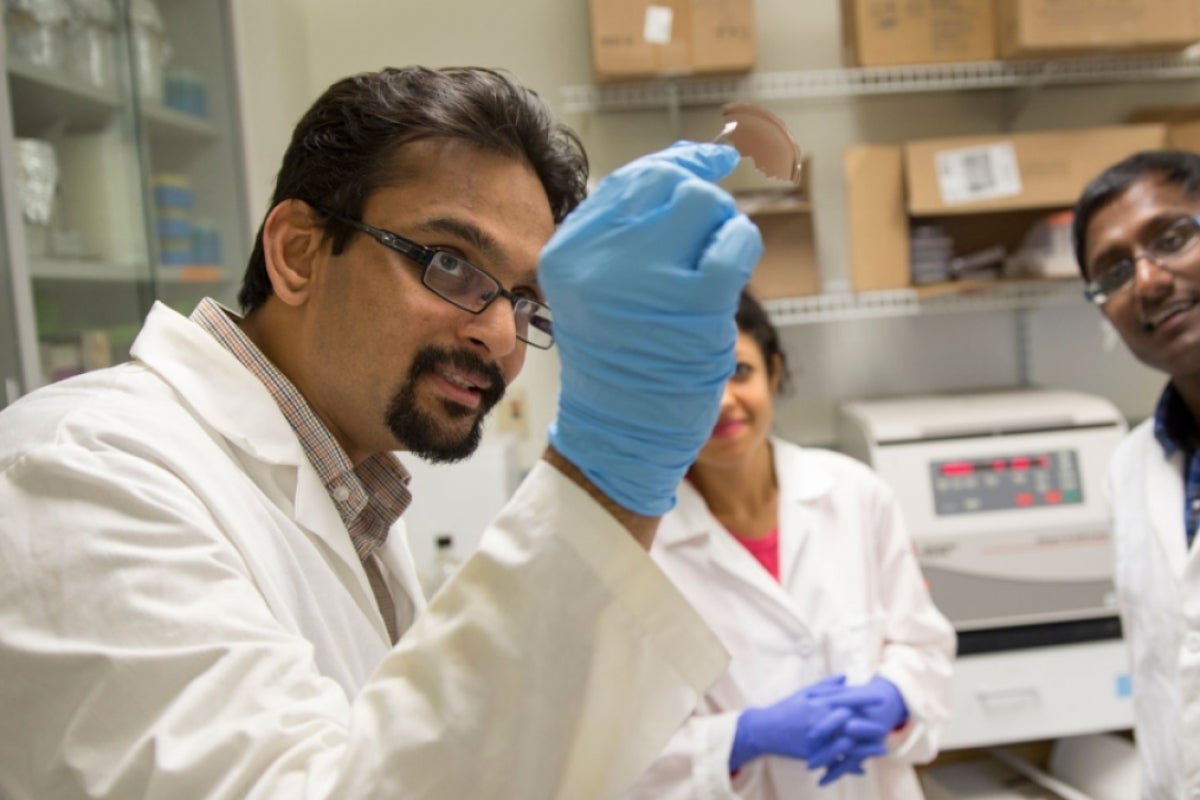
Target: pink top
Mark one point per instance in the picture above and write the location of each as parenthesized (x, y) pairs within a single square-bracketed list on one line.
[(765, 550)]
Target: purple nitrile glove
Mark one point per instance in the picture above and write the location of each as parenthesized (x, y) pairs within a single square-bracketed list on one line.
[(877, 704), (787, 727)]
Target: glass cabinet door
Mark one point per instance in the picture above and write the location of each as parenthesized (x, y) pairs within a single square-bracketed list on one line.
[(75, 136), (122, 127), (11, 380), (185, 94)]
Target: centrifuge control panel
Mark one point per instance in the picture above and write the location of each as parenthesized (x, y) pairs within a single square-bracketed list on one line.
[(1006, 482)]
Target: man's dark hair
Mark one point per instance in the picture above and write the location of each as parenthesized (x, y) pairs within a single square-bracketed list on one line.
[(1176, 167), (753, 321), (344, 147)]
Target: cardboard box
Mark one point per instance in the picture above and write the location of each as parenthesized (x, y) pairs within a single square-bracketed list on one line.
[(788, 267), (982, 190), (1048, 28), (636, 39), (876, 220), (1183, 125), (880, 33), (1016, 171)]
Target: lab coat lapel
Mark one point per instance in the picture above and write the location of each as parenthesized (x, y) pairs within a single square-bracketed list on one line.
[(799, 485), (1164, 493), (234, 402), (725, 554)]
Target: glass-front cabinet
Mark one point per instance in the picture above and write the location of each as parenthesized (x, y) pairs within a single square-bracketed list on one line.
[(121, 129)]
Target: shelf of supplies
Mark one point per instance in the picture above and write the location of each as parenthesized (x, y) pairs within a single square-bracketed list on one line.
[(857, 81), (86, 269), (197, 274), (43, 97), (765, 202), (165, 124), (947, 298)]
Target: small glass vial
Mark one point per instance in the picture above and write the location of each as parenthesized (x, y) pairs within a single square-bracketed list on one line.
[(446, 562)]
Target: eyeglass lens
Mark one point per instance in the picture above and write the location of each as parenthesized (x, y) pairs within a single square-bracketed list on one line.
[(1165, 250), (467, 286)]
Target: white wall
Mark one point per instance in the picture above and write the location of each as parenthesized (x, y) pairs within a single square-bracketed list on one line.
[(310, 43)]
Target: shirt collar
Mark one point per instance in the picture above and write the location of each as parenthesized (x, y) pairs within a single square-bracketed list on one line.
[(1174, 427), (369, 497)]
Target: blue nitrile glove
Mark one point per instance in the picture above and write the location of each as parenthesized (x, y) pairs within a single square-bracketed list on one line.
[(643, 279), (789, 727)]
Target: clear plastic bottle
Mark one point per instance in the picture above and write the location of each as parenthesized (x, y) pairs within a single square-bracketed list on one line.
[(446, 562)]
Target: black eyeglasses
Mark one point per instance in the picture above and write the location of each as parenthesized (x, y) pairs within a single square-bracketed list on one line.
[(464, 285), (1168, 250)]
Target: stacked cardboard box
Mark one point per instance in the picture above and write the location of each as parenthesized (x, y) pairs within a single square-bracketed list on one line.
[(984, 190), (894, 32), (638, 39), (788, 267), (1050, 28), (888, 32)]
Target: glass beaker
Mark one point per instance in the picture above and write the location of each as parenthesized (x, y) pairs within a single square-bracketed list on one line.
[(37, 31)]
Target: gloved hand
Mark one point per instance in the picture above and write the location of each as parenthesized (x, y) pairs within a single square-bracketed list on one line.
[(877, 704), (790, 727), (643, 279), (877, 700)]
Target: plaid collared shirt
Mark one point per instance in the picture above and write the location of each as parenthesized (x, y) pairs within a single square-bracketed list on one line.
[(1176, 430), (369, 498)]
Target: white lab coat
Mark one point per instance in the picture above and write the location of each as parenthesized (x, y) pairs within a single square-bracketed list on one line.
[(182, 615), (851, 599), (1158, 586)]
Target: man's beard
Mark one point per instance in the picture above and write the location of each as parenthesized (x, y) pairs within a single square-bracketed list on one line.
[(419, 430)]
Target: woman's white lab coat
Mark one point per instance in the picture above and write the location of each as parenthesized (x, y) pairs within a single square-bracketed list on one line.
[(851, 599), (1158, 586), (182, 615)]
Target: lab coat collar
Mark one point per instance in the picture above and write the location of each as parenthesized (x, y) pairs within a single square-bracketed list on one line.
[(221, 391), (800, 483), (230, 399)]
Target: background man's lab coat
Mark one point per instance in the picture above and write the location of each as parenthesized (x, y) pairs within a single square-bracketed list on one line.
[(1158, 587)]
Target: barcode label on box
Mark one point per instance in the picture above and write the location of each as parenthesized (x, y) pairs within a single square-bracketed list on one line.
[(657, 25), (978, 173)]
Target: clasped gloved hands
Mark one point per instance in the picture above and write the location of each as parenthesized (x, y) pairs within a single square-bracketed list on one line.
[(874, 709), (801, 725), (644, 279)]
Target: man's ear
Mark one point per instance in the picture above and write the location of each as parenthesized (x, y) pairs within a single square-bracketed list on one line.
[(293, 239)]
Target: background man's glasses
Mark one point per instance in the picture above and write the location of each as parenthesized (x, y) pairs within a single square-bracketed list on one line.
[(462, 284), (1168, 250)]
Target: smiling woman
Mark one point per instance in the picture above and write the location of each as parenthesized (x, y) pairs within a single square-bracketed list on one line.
[(799, 561)]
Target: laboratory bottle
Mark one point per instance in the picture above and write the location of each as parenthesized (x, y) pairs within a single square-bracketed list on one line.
[(446, 562)]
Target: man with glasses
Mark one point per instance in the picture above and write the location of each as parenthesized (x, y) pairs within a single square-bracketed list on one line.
[(1137, 240), (205, 590)]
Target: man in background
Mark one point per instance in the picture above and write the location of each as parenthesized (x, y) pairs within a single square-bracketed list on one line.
[(204, 585), (1137, 240)]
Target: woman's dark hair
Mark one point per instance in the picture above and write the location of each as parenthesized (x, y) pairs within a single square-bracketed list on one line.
[(753, 321), (1176, 167), (344, 147)]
